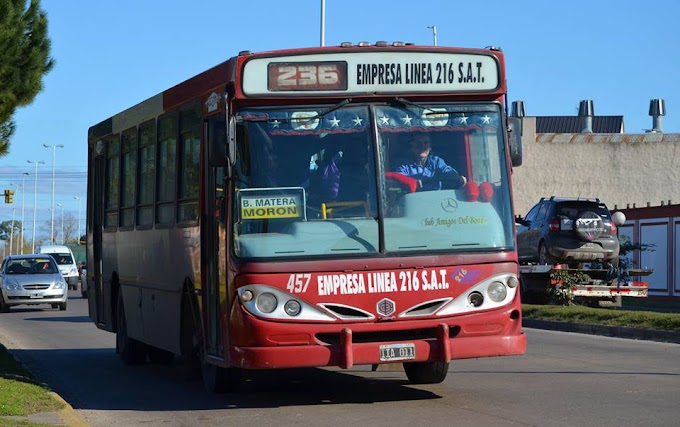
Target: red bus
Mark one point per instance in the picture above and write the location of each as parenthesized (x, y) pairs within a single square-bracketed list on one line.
[(280, 210)]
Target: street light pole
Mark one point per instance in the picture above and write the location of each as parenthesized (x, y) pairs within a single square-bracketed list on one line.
[(23, 204), (35, 198), (54, 158), (61, 205), (11, 231), (78, 233)]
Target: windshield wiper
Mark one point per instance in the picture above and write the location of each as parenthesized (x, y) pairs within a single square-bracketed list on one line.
[(407, 103), (282, 120)]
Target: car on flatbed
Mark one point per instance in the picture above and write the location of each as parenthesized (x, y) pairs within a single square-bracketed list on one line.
[(568, 230)]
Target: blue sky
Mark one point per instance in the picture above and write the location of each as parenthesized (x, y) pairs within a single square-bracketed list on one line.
[(112, 54)]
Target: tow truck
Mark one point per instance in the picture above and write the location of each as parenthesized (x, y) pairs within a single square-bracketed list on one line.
[(591, 284)]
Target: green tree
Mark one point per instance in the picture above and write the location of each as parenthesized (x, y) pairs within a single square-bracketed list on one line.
[(24, 60)]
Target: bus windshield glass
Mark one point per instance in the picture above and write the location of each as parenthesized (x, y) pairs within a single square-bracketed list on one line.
[(356, 180)]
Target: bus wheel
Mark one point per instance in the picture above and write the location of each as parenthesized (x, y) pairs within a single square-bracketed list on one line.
[(426, 372), (160, 356), (130, 350), (220, 380)]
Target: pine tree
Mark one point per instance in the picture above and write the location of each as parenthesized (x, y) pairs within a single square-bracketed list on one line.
[(24, 60)]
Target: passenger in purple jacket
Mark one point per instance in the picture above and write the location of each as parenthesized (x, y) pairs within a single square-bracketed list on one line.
[(330, 178), (429, 170)]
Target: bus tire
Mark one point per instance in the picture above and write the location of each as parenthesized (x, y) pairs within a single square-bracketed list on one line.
[(130, 350), (426, 372), (217, 379)]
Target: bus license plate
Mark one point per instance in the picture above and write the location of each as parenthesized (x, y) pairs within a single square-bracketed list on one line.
[(391, 352)]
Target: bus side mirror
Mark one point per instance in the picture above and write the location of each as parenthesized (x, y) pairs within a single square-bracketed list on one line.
[(515, 140), (217, 143)]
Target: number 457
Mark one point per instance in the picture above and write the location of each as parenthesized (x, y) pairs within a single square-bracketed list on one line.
[(298, 283)]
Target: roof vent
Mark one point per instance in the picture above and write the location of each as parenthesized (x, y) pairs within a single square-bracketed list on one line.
[(586, 111), (518, 109), (657, 109)]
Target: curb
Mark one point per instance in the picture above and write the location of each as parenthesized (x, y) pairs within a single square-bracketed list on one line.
[(609, 331), (69, 415)]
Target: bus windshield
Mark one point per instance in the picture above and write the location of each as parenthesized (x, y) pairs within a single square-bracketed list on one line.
[(351, 180)]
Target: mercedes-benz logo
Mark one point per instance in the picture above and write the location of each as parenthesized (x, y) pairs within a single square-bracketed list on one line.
[(449, 204)]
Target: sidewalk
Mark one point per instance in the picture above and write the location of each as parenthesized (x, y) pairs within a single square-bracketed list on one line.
[(609, 331), (67, 416)]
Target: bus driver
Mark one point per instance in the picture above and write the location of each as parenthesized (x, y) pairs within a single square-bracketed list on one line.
[(429, 170)]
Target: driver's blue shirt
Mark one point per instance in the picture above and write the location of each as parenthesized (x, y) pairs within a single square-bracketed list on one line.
[(428, 174)]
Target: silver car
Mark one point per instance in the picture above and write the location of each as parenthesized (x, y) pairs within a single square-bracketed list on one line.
[(31, 280)]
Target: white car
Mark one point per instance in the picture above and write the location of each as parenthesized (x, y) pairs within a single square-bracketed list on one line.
[(65, 260), (31, 280)]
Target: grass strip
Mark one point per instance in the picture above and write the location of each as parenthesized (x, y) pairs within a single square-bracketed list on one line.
[(600, 316), (20, 393)]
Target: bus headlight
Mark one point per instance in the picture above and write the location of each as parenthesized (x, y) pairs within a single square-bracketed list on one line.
[(266, 302), (292, 307), (263, 301), (497, 291), (512, 282), (247, 296)]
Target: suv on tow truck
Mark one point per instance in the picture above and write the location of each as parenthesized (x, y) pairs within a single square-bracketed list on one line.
[(568, 230)]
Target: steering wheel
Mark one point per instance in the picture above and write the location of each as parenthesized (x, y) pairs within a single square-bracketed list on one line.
[(411, 183)]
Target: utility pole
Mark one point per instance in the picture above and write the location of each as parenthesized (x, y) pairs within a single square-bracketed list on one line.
[(23, 204), (11, 231), (54, 158), (78, 233), (61, 205), (434, 33), (323, 22), (35, 198)]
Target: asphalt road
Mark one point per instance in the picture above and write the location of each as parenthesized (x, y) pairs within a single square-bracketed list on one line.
[(565, 379)]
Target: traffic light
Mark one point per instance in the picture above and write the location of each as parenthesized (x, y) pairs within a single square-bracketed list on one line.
[(9, 196)]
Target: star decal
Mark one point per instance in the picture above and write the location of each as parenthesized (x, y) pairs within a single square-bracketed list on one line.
[(486, 119), (407, 120), (384, 120), (334, 122), (275, 123), (357, 121), (463, 120)]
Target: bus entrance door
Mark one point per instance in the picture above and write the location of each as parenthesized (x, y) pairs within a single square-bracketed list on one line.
[(96, 300), (213, 257)]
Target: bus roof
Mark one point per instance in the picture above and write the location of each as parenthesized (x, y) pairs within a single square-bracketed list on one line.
[(365, 70)]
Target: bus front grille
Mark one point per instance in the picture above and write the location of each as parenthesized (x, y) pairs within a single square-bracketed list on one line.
[(386, 336)]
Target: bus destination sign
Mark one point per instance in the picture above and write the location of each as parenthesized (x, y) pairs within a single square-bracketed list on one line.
[(382, 72)]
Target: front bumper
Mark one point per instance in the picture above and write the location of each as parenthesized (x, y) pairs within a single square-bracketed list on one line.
[(23, 297), (286, 345)]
